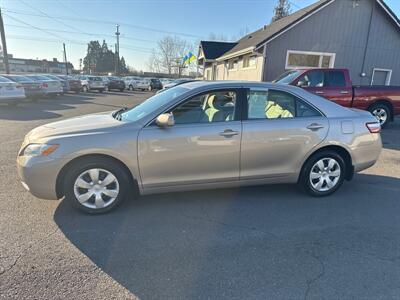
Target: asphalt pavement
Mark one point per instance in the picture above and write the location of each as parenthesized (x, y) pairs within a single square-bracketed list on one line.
[(265, 242)]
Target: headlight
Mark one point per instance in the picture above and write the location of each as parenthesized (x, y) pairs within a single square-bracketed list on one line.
[(38, 149)]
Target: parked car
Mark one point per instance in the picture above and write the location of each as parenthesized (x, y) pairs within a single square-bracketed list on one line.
[(49, 86), (335, 84), (11, 92), (74, 84), (131, 82), (200, 135), (115, 83), (175, 83), (106, 81), (149, 84), (64, 82), (92, 83), (33, 89)]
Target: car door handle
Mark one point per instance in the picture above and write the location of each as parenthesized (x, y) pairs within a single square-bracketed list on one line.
[(344, 92), (315, 126), (319, 92), (228, 133)]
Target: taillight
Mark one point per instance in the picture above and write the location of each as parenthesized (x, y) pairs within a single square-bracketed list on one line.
[(374, 127), (45, 85)]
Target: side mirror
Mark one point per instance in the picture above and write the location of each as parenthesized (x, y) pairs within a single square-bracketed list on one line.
[(302, 84), (165, 120)]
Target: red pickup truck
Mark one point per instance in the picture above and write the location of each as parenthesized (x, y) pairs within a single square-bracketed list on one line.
[(335, 85)]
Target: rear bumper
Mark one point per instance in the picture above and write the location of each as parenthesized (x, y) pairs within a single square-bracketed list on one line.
[(365, 156)]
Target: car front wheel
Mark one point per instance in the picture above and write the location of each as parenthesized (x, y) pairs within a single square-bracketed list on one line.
[(96, 185), (323, 174)]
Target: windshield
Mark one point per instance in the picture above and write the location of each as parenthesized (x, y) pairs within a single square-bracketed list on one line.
[(287, 77), (142, 110)]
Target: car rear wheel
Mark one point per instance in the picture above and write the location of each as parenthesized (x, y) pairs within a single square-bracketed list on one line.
[(381, 112), (96, 185), (323, 174)]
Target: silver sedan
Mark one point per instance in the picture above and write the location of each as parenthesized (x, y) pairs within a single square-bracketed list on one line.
[(200, 135)]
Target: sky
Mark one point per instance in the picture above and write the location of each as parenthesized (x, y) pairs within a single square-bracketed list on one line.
[(37, 28)]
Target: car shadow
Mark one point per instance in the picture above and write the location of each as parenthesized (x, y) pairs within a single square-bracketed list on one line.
[(254, 242), (391, 135), (44, 108)]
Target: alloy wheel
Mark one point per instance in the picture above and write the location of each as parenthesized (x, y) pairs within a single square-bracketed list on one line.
[(325, 174), (96, 188), (381, 115)]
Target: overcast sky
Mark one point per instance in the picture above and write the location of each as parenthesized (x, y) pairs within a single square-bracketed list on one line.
[(37, 28)]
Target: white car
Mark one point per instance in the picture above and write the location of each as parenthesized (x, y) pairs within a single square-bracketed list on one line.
[(50, 86), (11, 92), (92, 83), (131, 82)]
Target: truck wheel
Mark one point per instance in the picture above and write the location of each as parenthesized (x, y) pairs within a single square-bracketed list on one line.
[(96, 185), (382, 112), (323, 173)]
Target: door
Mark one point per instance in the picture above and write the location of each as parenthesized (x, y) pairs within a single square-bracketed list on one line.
[(279, 131), (381, 77), (330, 84), (202, 147)]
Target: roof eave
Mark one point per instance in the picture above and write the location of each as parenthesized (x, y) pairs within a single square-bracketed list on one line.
[(237, 53)]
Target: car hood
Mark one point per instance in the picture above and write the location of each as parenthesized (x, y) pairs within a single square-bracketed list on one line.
[(94, 123)]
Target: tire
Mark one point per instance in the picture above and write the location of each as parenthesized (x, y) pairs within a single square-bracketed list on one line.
[(80, 169), (382, 112), (85, 89), (101, 91), (311, 175)]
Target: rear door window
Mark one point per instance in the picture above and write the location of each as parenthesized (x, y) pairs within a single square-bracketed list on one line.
[(335, 79)]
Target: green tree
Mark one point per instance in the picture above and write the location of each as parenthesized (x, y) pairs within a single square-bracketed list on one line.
[(123, 69), (92, 58), (281, 10)]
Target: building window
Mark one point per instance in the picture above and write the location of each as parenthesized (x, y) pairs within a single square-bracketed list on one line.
[(233, 64), (249, 61), (302, 59)]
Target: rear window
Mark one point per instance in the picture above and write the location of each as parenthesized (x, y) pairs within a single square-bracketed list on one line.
[(95, 79), (3, 79), (334, 78)]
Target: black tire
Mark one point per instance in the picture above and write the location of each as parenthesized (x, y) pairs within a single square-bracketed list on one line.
[(101, 163), (383, 108), (305, 181)]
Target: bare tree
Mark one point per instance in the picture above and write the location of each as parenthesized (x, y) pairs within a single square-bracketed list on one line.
[(281, 10), (169, 54)]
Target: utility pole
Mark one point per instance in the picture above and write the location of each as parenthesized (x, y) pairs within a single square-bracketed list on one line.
[(65, 59), (117, 52), (4, 44)]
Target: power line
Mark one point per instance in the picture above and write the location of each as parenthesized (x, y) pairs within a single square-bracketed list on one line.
[(103, 22), (88, 33), (48, 16)]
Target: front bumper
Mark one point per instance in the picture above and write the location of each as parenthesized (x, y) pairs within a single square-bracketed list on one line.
[(39, 175)]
